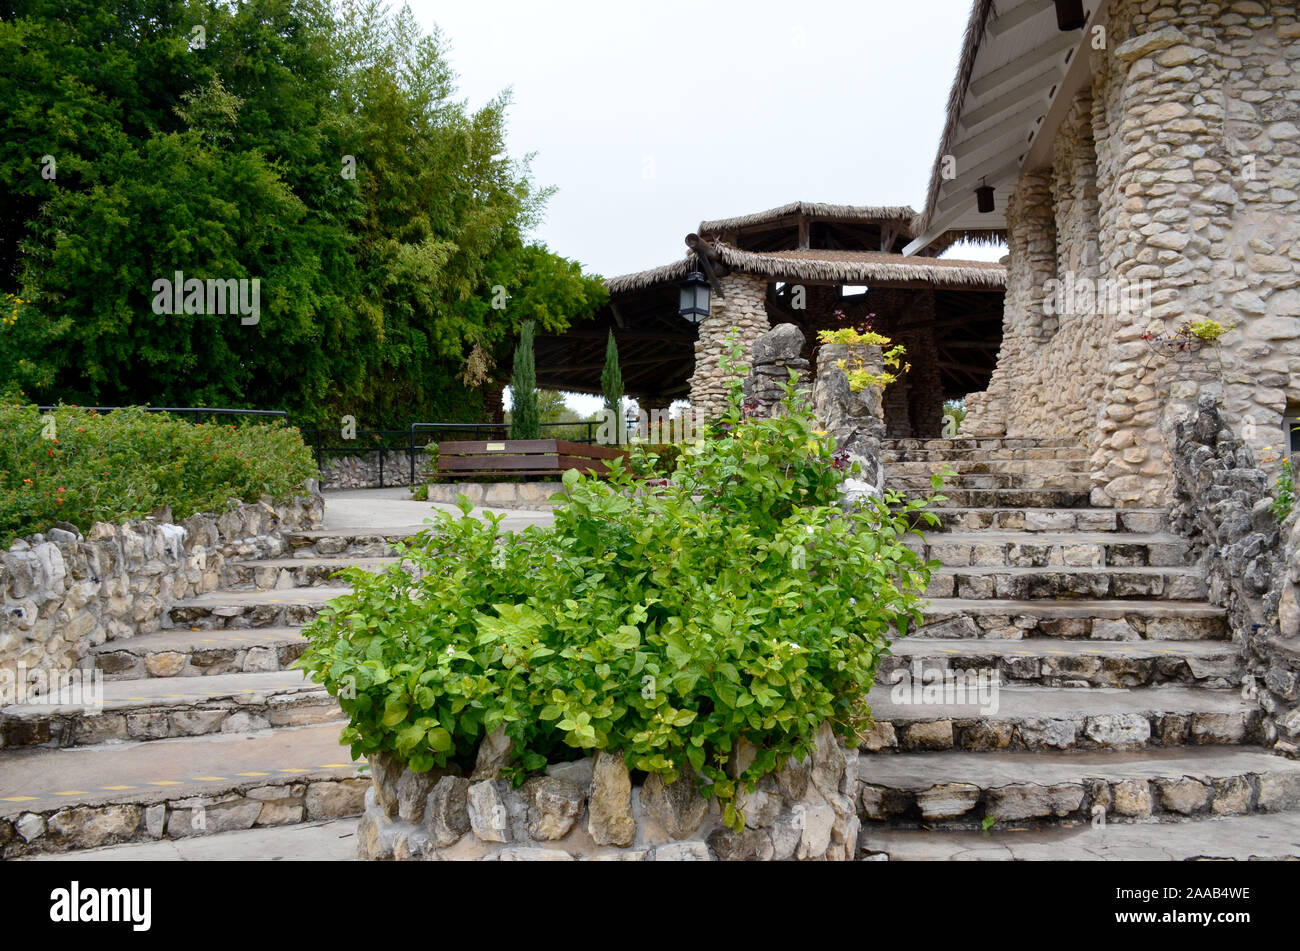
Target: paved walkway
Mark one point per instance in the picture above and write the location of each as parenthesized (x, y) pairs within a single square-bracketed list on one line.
[(389, 509), (309, 842)]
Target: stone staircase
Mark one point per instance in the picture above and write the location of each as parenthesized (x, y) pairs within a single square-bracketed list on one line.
[(204, 727), (1118, 727)]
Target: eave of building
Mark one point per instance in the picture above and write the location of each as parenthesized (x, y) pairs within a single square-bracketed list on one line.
[(1017, 77)]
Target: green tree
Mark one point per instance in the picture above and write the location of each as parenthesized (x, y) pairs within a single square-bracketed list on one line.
[(611, 378), (524, 415), (320, 149)]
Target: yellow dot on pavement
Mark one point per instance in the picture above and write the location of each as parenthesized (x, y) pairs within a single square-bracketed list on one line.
[(335, 765), (118, 788), (71, 792), (253, 774), (164, 782), (293, 770), (208, 779), (18, 798)]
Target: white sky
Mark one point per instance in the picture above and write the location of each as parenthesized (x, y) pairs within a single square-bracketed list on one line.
[(649, 117)]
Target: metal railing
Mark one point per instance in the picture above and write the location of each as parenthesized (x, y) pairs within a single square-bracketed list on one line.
[(197, 412)]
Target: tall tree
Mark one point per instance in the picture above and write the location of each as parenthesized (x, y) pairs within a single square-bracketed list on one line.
[(318, 148), (611, 381), (525, 417)]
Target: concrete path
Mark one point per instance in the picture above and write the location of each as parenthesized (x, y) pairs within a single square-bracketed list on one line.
[(381, 510), (40, 778), (334, 841)]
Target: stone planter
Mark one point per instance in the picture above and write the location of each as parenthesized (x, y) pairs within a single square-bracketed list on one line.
[(591, 809)]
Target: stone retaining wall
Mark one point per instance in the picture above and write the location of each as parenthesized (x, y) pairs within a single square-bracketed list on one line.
[(62, 594), (362, 471), (534, 496), (150, 816), (1223, 501), (591, 809)]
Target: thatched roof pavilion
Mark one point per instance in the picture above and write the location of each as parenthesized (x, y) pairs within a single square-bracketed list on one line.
[(795, 262)]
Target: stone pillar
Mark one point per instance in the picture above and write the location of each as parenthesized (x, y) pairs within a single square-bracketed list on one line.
[(774, 355), (1031, 240), (743, 307), (856, 420)]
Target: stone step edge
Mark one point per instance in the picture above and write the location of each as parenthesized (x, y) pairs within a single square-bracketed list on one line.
[(158, 718), (252, 803), (150, 656), (1228, 791)]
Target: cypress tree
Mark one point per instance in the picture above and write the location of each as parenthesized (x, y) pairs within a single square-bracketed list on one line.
[(524, 415), (611, 381)]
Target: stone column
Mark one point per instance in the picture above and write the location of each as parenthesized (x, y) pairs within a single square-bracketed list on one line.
[(1031, 240), (775, 354), (743, 307), (856, 420)]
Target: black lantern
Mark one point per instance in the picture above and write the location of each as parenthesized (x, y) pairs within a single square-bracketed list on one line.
[(1070, 15), (695, 298), (984, 199)]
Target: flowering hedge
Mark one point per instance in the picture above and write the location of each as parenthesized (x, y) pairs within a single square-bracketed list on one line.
[(80, 467), (663, 619)]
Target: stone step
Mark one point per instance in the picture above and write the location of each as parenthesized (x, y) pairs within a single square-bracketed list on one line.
[(1241, 838), (964, 442), (957, 518), (1108, 620), (1064, 481), (1044, 549), (957, 497), (1044, 718), (161, 707), (252, 609), (56, 800), (1051, 662), (957, 456), (957, 788), (186, 653), (1017, 584), (284, 574), (360, 543)]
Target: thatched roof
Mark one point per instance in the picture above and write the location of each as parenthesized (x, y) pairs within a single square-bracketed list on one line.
[(975, 28), (824, 212), (839, 267)]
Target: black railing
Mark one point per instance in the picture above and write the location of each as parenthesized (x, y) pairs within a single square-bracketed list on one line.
[(197, 412)]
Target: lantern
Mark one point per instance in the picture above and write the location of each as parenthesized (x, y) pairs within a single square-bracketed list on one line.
[(694, 298)]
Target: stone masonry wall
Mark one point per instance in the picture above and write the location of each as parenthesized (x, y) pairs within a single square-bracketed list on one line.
[(62, 593), (1222, 502), (362, 471), (590, 809), (1194, 109), (744, 307)]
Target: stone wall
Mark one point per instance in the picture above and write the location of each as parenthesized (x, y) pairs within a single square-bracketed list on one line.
[(856, 420), (1222, 503), (362, 471), (1181, 165), (591, 809), (745, 308), (534, 496), (62, 593)]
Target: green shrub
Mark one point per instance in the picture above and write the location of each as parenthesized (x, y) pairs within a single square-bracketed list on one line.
[(82, 467), (665, 622), (1284, 493), (656, 462)]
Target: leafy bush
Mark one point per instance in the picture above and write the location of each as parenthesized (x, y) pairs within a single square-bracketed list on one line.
[(81, 467), (1284, 493), (666, 622), (656, 461)]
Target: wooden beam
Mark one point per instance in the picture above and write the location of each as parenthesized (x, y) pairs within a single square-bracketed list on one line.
[(1080, 72), (618, 318), (1036, 61), (1033, 90), (1018, 15), (805, 240)]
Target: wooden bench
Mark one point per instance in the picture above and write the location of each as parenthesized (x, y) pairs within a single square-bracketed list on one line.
[(521, 457)]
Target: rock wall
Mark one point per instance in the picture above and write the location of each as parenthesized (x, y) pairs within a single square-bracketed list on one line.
[(1180, 165), (1222, 502), (533, 496), (362, 471), (745, 308), (62, 593), (591, 809), (856, 420)]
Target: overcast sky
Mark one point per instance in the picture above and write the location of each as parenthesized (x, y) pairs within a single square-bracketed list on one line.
[(649, 117)]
